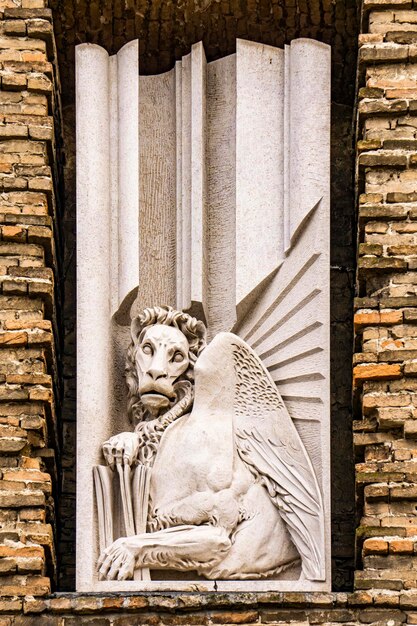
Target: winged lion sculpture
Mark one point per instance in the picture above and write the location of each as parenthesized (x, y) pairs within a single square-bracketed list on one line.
[(230, 490)]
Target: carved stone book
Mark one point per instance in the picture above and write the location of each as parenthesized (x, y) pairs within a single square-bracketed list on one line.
[(130, 489)]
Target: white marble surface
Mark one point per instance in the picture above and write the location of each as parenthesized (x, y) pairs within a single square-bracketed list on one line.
[(232, 492), (242, 215), (93, 303)]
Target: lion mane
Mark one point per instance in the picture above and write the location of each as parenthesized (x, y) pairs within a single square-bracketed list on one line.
[(150, 431)]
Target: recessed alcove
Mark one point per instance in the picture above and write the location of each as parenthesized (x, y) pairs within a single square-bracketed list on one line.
[(166, 31)]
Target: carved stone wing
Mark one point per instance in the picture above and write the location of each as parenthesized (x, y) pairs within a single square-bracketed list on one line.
[(267, 441)]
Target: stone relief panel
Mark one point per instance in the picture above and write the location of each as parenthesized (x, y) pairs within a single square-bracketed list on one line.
[(214, 479), (203, 320)]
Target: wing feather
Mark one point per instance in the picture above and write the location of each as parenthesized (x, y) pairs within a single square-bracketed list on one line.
[(268, 442), (232, 382)]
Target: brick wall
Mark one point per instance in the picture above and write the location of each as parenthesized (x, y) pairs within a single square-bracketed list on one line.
[(385, 369), (77, 22), (167, 29), (29, 380), (385, 364)]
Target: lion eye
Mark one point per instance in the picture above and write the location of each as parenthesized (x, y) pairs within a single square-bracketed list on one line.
[(178, 357), (147, 349)]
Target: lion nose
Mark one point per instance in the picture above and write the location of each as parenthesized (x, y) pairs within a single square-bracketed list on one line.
[(156, 373)]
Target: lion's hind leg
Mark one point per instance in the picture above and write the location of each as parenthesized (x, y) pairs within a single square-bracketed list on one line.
[(261, 545)]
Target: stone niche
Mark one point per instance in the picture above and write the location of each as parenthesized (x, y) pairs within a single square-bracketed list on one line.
[(203, 195)]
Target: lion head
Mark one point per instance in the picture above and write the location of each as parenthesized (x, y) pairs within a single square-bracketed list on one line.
[(165, 345)]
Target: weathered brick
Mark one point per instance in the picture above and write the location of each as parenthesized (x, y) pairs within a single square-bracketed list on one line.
[(25, 585), (410, 369), (401, 546), (377, 318), (399, 196), (21, 498), (383, 211), (387, 4), (143, 618), (383, 159), (375, 371), (382, 264), (369, 107), (410, 429), (375, 546)]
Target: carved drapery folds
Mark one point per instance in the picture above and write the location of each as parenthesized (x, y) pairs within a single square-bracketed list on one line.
[(207, 189)]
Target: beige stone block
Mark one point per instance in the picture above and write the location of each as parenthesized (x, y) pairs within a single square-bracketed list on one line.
[(32, 423), (375, 508), (402, 291), (393, 417), (30, 565), (389, 4), (15, 339), (374, 333), (383, 29), (376, 227), (383, 264), (395, 76), (13, 233), (382, 16), (7, 56), (371, 249), (22, 43), (32, 515), (33, 4), (22, 586), (22, 146), (402, 16), (403, 132), (404, 330), (391, 181), (363, 357), (13, 131), (405, 227), (14, 27), (20, 498), (410, 429), (402, 250), (402, 455), (12, 82), (391, 240), (40, 184), (377, 124), (406, 34), (407, 277), (371, 402), (17, 549), (410, 369), (40, 84), (370, 198), (45, 133), (379, 107), (374, 37), (382, 52), (411, 617), (30, 109)]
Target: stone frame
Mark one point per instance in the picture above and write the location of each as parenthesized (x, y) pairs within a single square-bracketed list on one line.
[(299, 144)]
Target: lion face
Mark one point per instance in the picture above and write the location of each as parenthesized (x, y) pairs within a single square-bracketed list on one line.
[(161, 358)]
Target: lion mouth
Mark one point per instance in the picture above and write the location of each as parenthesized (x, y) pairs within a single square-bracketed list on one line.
[(156, 394), (155, 401)]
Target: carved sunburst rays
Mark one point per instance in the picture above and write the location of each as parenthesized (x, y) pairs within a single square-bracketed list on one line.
[(287, 333), (286, 329)]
